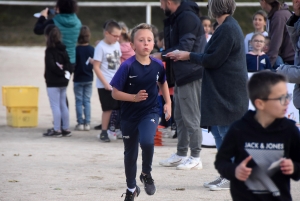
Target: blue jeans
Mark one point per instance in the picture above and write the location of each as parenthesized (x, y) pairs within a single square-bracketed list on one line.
[(219, 133), (57, 97), (83, 93)]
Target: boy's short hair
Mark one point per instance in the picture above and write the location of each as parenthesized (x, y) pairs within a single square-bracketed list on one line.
[(109, 25), (84, 35), (138, 27), (260, 84)]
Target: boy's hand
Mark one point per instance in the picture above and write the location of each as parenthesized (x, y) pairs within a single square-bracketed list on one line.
[(141, 96), (45, 12), (108, 87), (287, 166), (167, 111), (242, 172)]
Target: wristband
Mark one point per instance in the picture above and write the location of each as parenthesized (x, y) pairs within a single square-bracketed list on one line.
[(134, 96)]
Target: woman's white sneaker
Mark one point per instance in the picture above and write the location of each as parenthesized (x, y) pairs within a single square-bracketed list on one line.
[(173, 161), (190, 164)]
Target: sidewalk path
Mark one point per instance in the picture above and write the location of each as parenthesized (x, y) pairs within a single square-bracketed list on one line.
[(35, 168)]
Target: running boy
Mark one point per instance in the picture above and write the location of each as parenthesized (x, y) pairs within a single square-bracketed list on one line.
[(135, 84), (106, 63), (264, 144)]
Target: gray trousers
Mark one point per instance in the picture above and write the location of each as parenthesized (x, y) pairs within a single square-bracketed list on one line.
[(187, 117), (60, 111)]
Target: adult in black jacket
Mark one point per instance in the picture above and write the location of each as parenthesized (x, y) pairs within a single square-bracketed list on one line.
[(224, 96), (184, 31)]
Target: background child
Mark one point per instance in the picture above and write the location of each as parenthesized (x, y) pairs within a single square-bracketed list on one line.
[(259, 21), (279, 60), (57, 75), (207, 26), (264, 144), (83, 79), (106, 63), (135, 84), (256, 59), (127, 52)]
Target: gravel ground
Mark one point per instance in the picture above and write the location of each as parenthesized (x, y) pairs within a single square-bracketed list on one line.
[(80, 167)]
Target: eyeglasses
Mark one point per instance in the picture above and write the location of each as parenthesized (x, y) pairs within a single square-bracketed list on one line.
[(116, 36), (259, 41), (283, 99)]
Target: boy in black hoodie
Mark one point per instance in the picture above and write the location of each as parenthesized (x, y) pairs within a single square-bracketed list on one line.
[(264, 145)]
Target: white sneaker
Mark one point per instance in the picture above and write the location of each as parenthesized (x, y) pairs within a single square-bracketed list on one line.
[(79, 127), (213, 183), (223, 185), (190, 164), (173, 161), (119, 134), (87, 127), (111, 135)]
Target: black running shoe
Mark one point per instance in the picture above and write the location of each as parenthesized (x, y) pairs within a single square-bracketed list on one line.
[(130, 196), (66, 133), (99, 127), (52, 133), (104, 137), (148, 184)]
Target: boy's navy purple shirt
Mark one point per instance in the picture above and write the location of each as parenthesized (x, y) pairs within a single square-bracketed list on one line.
[(132, 77)]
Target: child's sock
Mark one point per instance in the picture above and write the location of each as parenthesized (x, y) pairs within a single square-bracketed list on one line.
[(131, 190)]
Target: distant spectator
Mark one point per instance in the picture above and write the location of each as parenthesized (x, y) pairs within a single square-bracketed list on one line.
[(256, 59), (67, 22), (280, 43), (206, 23), (83, 79), (259, 21)]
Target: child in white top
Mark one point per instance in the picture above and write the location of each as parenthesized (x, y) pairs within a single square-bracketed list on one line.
[(259, 23), (106, 63), (206, 23)]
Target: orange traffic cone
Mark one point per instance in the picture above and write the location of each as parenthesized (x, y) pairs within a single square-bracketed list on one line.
[(157, 138)]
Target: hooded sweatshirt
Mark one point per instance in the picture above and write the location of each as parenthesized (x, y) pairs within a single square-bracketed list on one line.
[(183, 30), (257, 62), (280, 43), (69, 26), (54, 76), (266, 146)]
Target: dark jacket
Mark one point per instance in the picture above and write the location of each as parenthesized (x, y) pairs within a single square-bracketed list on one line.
[(265, 145), (183, 31), (224, 96), (258, 62), (280, 43), (83, 72), (55, 77), (69, 26)]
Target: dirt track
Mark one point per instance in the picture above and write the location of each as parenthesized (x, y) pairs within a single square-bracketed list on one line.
[(36, 168)]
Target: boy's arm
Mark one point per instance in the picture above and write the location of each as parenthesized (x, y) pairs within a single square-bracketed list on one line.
[(122, 96), (227, 151), (165, 92), (96, 66), (294, 155)]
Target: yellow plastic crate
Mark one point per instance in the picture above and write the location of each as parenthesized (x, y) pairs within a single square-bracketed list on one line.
[(22, 116), (20, 96)]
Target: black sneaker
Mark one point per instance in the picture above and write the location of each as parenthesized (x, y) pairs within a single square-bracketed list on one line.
[(99, 127), (148, 184), (52, 133), (66, 133), (130, 196), (104, 137)]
